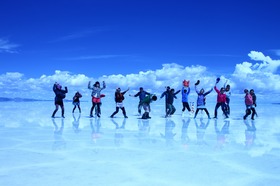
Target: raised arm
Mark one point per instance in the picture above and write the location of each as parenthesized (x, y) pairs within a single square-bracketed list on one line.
[(89, 87)]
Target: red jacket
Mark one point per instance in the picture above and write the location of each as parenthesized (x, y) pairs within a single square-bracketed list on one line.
[(221, 98)]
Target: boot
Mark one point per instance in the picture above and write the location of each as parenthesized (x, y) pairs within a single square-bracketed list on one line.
[(145, 115)]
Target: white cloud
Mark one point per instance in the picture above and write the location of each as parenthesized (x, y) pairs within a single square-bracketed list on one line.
[(7, 46), (260, 74), (266, 65)]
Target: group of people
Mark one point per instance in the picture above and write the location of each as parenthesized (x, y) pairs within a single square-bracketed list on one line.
[(145, 98)]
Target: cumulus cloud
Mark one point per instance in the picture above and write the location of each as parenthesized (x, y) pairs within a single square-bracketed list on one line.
[(169, 75), (7, 46), (260, 75)]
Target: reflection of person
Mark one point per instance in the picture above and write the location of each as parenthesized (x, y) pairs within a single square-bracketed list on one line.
[(141, 94), (59, 143), (200, 131), (143, 131), (76, 123), (119, 97), (95, 129), (201, 96), (119, 132), (60, 94), (96, 99), (184, 137), (146, 105), (169, 134), (250, 133), (76, 101), (249, 105), (222, 133)]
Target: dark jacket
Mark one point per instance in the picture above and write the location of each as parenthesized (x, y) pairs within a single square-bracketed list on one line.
[(60, 94)]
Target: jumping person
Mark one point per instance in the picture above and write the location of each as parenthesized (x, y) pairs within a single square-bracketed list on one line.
[(141, 94), (76, 101), (254, 97), (249, 105), (60, 94), (119, 97), (185, 93), (96, 99), (221, 101), (146, 105), (201, 96), (165, 93), (169, 102), (228, 94)]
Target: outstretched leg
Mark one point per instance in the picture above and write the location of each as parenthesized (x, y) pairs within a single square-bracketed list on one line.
[(54, 112), (117, 110)]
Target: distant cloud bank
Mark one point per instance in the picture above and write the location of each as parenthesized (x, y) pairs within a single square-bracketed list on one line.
[(259, 74)]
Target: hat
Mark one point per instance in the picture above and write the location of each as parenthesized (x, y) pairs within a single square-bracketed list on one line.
[(186, 83), (197, 82), (154, 97)]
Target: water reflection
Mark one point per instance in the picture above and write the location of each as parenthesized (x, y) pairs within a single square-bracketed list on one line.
[(222, 134), (143, 130), (250, 133), (184, 137), (95, 129), (200, 130), (168, 132), (118, 140), (59, 142), (76, 123)]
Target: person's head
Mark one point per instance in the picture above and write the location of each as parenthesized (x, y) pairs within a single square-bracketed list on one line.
[(168, 88), (58, 86), (252, 91), (246, 91), (201, 91), (172, 90), (97, 84), (118, 89), (227, 87), (141, 89), (154, 97), (222, 90)]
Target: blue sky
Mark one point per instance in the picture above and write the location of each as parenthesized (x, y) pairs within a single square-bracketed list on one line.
[(97, 38)]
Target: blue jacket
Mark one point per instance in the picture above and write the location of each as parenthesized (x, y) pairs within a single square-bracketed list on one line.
[(142, 95), (185, 94), (201, 97)]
